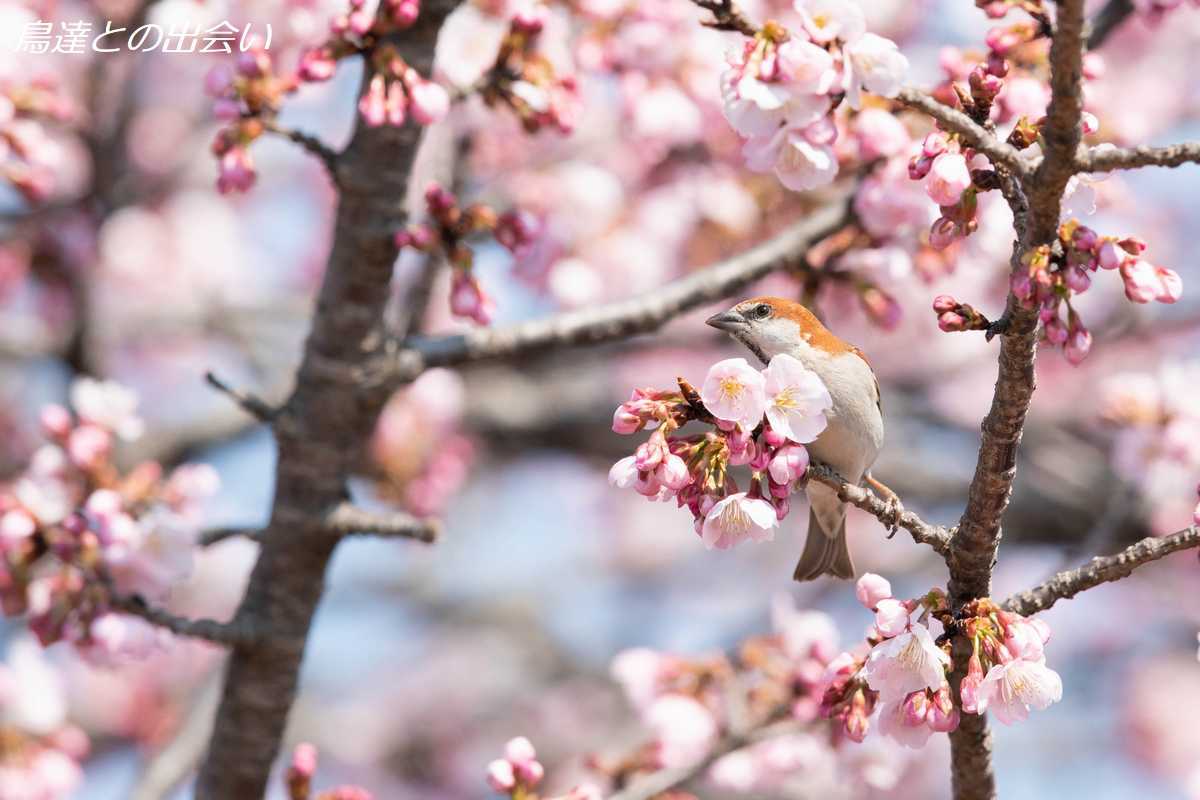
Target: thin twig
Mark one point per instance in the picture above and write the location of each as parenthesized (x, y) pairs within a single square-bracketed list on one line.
[(657, 783), (890, 514), (234, 632), (348, 519), (972, 133), (1106, 159), (315, 147), (1101, 569), (1107, 20), (251, 403)]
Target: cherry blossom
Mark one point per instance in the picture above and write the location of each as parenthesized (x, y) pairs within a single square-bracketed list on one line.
[(736, 518), (796, 399), (1012, 689), (735, 392), (906, 663)]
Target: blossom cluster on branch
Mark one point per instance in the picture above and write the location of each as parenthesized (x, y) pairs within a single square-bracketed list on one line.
[(76, 532), (445, 235), (759, 418)]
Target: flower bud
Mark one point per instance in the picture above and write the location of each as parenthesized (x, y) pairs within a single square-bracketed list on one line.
[(871, 589)]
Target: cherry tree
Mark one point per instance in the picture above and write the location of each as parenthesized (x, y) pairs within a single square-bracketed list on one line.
[(949, 219)]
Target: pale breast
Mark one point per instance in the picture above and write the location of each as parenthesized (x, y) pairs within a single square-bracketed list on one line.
[(855, 433)]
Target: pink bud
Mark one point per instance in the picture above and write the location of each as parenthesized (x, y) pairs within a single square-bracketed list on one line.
[(405, 12), (373, 104), (1056, 331), (360, 21), (1108, 256), (438, 200), (919, 167), (1079, 342), (871, 589), (467, 299), (942, 716), (1170, 286), (218, 80), (891, 617), (789, 464), (625, 422), (430, 102), (1077, 280), (951, 322), (519, 750), (943, 303), (55, 420), (969, 689), (948, 179), (316, 65), (500, 776), (674, 473), (997, 65), (304, 759), (1141, 280), (916, 708), (1089, 123), (773, 438), (943, 233), (530, 773), (515, 229), (934, 145), (396, 104)]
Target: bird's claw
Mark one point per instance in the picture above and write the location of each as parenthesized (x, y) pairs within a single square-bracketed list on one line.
[(894, 510)]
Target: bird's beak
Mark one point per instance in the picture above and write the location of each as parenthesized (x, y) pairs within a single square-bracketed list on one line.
[(727, 321)]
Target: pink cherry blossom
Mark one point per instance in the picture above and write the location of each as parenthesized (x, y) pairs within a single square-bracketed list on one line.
[(796, 399), (827, 20), (880, 134), (896, 721), (891, 617), (873, 63), (684, 730), (797, 160), (108, 405), (428, 101), (737, 517), (500, 776), (948, 179), (1011, 690), (468, 300), (735, 392), (788, 464), (756, 102), (906, 663), (872, 588)]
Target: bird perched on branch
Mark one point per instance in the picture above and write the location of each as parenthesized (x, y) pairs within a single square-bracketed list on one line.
[(850, 442)]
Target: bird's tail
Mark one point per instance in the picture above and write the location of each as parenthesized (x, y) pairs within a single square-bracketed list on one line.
[(824, 554)]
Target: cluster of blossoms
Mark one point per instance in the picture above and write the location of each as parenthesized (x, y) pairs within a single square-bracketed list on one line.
[(418, 450), (688, 703), (247, 97), (759, 418), (74, 530), (518, 774), (1050, 279), (397, 91), (526, 81), (1051, 275), (904, 671), (41, 751), (781, 89), (27, 155), (446, 233), (299, 777)]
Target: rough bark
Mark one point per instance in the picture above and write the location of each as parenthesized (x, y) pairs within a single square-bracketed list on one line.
[(319, 434)]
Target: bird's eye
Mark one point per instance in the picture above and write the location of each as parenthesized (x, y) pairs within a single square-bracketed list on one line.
[(762, 311)]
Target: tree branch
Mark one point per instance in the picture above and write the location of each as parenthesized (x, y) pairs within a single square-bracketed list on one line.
[(1106, 159), (1107, 20), (891, 515), (1102, 569), (253, 405), (622, 319), (314, 146), (655, 784), (321, 440), (236, 631), (347, 520), (972, 133)]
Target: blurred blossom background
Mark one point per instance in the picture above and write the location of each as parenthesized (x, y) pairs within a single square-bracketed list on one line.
[(121, 260)]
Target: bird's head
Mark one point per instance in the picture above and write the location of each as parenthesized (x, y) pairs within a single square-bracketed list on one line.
[(769, 326)]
